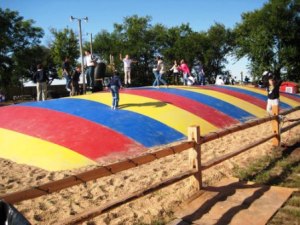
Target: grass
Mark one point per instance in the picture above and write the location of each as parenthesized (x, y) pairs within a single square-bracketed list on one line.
[(282, 168)]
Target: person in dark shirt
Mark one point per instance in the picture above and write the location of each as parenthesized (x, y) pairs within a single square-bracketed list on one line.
[(115, 85), (273, 86), (41, 79), (75, 81)]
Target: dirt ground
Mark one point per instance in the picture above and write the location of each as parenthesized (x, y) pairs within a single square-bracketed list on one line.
[(51, 209)]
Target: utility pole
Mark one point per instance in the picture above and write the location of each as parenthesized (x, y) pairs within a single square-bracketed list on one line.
[(242, 78), (81, 50), (91, 42)]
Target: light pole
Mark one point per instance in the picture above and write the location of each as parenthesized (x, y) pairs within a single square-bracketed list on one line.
[(91, 42), (81, 51)]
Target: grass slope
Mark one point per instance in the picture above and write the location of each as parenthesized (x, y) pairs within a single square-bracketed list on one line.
[(282, 168)]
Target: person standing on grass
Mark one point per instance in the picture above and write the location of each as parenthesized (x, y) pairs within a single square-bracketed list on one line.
[(273, 86), (127, 68), (115, 85), (41, 79)]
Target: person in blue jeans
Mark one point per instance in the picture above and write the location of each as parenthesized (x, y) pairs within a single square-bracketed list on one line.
[(158, 72), (115, 85), (200, 75), (67, 73)]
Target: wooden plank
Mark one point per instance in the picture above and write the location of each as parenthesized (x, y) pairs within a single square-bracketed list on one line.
[(90, 213), (93, 174), (221, 159), (164, 153), (120, 166), (182, 147), (59, 184), (145, 159), (246, 203), (290, 110), (287, 128), (22, 195), (218, 134)]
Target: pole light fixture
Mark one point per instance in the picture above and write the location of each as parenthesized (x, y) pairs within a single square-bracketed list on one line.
[(81, 50)]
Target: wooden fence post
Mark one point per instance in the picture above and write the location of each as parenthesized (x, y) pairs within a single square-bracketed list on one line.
[(275, 126), (195, 154)]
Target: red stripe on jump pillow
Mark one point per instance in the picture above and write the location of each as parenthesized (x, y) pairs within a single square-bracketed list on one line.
[(80, 135), (203, 111)]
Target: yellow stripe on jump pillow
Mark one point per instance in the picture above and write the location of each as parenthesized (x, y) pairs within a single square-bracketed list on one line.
[(167, 114), (242, 104), (39, 153), (284, 99)]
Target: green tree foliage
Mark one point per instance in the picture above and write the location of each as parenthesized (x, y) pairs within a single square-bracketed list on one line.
[(17, 36), (143, 42), (134, 37), (65, 45), (27, 60), (217, 46), (180, 44), (210, 48), (270, 38)]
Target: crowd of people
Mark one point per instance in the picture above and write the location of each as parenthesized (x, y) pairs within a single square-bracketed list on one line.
[(178, 74)]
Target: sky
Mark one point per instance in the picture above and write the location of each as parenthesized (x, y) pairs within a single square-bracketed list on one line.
[(103, 14)]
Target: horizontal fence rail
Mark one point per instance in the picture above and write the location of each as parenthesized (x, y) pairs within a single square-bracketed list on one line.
[(100, 172), (215, 135), (221, 159)]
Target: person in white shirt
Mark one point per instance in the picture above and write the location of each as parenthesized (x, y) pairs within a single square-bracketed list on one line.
[(175, 73), (219, 81), (127, 69), (90, 64)]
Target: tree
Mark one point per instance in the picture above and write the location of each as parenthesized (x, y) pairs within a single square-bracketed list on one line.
[(180, 44), (65, 45), (16, 37), (133, 37), (210, 48), (217, 46), (143, 41), (27, 60), (270, 37)]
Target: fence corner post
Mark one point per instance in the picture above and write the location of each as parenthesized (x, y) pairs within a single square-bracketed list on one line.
[(275, 126), (195, 154)]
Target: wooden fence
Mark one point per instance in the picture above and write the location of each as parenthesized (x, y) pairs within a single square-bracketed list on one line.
[(193, 144)]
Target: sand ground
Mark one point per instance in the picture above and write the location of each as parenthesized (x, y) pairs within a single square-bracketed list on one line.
[(51, 209)]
